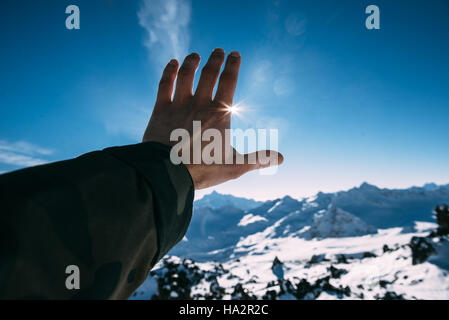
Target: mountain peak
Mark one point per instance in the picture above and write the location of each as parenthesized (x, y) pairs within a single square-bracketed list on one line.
[(430, 186), (216, 200), (366, 186), (335, 222)]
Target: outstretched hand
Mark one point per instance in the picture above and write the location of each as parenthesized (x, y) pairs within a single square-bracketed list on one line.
[(213, 112)]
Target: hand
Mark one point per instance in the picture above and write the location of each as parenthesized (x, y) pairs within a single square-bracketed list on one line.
[(186, 107)]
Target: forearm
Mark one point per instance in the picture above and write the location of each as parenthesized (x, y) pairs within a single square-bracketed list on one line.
[(113, 213)]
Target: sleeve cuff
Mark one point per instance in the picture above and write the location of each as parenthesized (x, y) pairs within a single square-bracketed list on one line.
[(172, 187)]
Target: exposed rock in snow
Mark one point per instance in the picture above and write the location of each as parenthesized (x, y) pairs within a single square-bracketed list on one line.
[(442, 215), (373, 272), (364, 243), (278, 268), (422, 249)]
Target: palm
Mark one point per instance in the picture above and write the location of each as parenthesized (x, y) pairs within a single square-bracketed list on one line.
[(213, 112)]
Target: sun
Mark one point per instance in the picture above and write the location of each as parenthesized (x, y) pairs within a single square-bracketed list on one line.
[(236, 109), (233, 109)]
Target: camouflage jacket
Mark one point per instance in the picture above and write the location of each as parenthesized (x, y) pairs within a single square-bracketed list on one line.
[(112, 213)]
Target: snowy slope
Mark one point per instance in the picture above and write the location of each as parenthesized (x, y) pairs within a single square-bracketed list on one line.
[(375, 266), (355, 244), (222, 228), (335, 222)]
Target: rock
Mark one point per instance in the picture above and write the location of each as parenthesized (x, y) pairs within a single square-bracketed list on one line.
[(368, 255), (341, 258), (278, 268), (442, 215), (390, 295), (335, 272), (421, 248), (317, 258), (241, 293)]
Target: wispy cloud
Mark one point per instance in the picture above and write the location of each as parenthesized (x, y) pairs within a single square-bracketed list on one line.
[(166, 37), (166, 23), (129, 121), (22, 153)]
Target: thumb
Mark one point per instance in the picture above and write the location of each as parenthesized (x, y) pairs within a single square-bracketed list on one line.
[(261, 159)]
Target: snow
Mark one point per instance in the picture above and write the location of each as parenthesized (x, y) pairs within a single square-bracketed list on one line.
[(395, 269), (250, 218), (363, 233), (275, 205), (422, 226), (337, 223)]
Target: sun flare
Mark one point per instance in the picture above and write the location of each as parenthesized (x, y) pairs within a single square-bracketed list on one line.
[(236, 109), (232, 109)]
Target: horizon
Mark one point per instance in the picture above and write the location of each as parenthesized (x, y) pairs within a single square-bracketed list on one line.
[(200, 195), (350, 104)]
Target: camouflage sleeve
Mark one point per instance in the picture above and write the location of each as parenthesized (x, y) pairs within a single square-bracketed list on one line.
[(112, 213)]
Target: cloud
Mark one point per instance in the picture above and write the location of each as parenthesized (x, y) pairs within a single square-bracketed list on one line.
[(166, 37), (22, 153), (166, 23), (19, 160), (283, 86), (295, 24), (262, 72), (130, 121), (24, 147)]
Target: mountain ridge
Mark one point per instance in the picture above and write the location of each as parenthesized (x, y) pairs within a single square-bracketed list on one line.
[(217, 200), (362, 243)]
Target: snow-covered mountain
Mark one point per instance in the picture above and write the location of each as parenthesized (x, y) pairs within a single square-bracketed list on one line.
[(216, 229), (350, 244), (216, 200), (337, 223)]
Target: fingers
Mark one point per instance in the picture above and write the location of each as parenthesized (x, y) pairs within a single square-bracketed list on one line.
[(209, 76), (186, 74), (166, 84), (208, 79), (228, 79)]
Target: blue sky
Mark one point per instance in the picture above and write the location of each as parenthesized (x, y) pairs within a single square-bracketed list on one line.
[(350, 104)]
